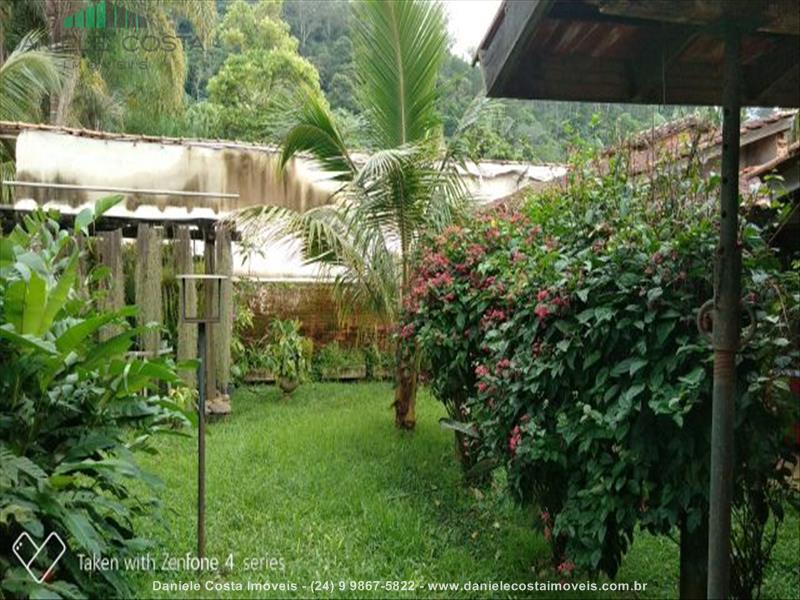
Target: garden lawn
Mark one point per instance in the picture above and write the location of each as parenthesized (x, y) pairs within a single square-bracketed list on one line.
[(325, 485)]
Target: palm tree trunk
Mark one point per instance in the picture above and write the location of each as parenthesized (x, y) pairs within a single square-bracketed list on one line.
[(406, 377), (408, 360)]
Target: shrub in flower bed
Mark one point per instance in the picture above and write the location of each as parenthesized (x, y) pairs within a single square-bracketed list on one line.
[(564, 333)]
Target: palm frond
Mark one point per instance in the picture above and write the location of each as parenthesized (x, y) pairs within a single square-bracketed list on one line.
[(92, 104), (315, 132), (399, 47), (29, 74)]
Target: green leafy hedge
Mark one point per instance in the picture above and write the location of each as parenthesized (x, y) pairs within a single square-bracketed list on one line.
[(74, 410), (565, 333)]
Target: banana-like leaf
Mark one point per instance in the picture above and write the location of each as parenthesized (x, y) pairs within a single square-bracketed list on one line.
[(113, 346), (25, 303), (58, 296), (6, 253), (73, 336), (28, 341)]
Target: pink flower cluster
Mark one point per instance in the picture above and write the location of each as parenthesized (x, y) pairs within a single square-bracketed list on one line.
[(492, 234), (513, 441), (475, 253), (495, 315), (542, 311), (407, 331), (440, 280), (533, 233), (502, 365)]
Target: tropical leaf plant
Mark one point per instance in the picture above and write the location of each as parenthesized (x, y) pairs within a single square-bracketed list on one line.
[(74, 410)]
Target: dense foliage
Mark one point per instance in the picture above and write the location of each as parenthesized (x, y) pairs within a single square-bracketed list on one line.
[(287, 353), (74, 410), (564, 334), (261, 67)]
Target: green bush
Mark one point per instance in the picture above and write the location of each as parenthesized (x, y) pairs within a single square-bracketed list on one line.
[(74, 410), (564, 335), (380, 364), (332, 360), (287, 352)]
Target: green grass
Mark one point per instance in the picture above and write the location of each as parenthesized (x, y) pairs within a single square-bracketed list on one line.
[(327, 487)]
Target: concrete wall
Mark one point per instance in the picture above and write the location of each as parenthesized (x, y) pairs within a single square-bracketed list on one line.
[(250, 171)]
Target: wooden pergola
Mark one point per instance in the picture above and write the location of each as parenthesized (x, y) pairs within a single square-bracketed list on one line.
[(731, 53)]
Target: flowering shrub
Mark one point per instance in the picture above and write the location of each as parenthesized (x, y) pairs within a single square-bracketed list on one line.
[(565, 333)]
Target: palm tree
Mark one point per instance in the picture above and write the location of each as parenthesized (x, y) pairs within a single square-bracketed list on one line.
[(386, 202), (29, 74)]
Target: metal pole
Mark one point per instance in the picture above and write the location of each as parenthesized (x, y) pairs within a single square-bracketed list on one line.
[(201, 441), (727, 292), (110, 188)]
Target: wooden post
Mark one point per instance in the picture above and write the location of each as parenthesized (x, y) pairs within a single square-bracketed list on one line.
[(148, 286), (80, 280), (224, 331), (693, 560), (111, 257), (210, 304), (727, 292), (187, 332)]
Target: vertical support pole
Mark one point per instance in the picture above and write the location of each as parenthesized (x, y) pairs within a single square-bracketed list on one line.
[(201, 441), (148, 285), (209, 306), (80, 280), (224, 331), (111, 256), (727, 292), (187, 332)]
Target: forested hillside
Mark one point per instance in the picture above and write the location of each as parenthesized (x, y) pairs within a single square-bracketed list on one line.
[(233, 69), (516, 130)]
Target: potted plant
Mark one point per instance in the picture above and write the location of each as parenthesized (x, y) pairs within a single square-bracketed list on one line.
[(286, 354)]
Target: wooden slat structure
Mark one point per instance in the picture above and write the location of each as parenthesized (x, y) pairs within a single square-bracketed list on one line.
[(731, 53), (199, 228), (151, 235)]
